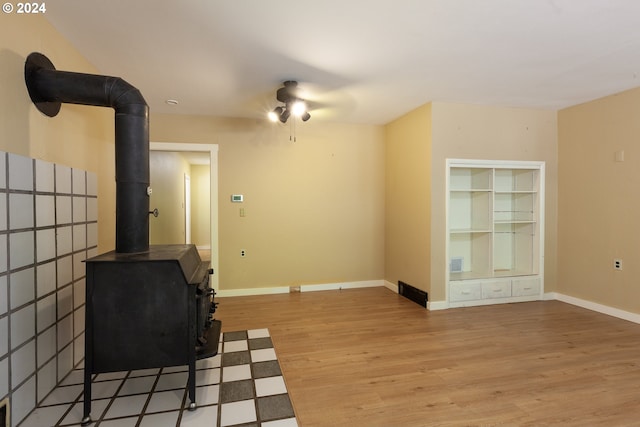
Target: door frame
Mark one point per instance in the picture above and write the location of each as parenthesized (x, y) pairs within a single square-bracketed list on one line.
[(212, 149), (187, 208)]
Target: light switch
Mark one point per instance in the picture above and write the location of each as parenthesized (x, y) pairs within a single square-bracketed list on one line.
[(620, 156)]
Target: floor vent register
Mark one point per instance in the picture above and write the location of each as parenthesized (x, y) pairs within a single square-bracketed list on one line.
[(416, 295)]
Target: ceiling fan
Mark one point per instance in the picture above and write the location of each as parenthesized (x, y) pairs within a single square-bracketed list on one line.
[(293, 104)]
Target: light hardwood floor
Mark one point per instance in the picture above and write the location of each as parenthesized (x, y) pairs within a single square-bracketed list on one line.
[(368, 357)]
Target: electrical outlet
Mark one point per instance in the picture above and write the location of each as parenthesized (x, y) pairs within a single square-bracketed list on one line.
[(617, 264), (243, 253)]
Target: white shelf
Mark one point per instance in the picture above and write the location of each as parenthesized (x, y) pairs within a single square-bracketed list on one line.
[(495, 223)]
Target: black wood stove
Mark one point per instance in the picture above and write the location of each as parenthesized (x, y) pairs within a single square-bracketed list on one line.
[(146, 306), (148, 310)]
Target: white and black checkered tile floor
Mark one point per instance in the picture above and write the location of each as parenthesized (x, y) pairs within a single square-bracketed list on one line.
[(241, 387)]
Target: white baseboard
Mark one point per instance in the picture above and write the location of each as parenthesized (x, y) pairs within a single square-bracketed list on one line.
[(390, 286), (204, 247), (301, 288), (342, 285), (252, 291), (551, 296), (437, 305), (600, 308)]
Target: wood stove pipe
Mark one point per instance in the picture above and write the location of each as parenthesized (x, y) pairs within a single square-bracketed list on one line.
[(48, 88)]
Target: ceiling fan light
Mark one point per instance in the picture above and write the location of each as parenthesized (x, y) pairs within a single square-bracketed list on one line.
[(284, 116), (275, 114), (298, 108), (305, 116)]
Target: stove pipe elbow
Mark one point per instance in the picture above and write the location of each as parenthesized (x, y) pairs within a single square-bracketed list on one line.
[(49, 88)]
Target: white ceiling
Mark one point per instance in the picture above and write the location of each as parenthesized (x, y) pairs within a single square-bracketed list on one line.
[(359, 61)]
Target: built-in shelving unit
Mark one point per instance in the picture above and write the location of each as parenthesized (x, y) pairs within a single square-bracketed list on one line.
[(494, 225)]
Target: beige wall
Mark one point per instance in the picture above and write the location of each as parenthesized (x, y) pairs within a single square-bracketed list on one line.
[(200, 206), (167, 181), (599, 204), (408, 199), (79, 136), (314, 208), (492, 133), (417, 146)]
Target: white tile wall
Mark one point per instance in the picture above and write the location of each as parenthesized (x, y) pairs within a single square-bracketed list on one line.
[(46, 344), (4, 336), (92, 184), (20, 211), (79, 209), (79, 237), (3, 259), (4, 374), (63, 179), (65, 361), (64, 241), (78, 264), (45, 244), (46, 278), (3, 170), (48, 226), (23, 325), (65, 301), (44, 176), (46, 309), (65, 331), (79, 181), (47, 379), (20, 173), (63, 209), (23, 363), (22, 289), (78, 349), (21, 401), (78, 293), (3, 211), (21, 249), (65, 270), (45, 210), (4, 306)]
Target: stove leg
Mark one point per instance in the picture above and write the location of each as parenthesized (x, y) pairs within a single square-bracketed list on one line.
[(86, 417), (191, 384)]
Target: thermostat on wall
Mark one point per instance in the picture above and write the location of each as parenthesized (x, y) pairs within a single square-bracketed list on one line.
[(237, 198)]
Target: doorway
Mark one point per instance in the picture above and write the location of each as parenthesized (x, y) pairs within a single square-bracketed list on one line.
[(181, 165)]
